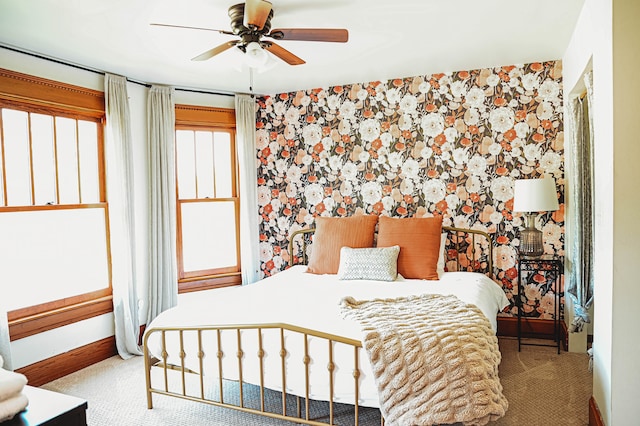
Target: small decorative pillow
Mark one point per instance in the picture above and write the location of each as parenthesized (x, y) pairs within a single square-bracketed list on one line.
[(333, 233), (419, 241), (378, 264)]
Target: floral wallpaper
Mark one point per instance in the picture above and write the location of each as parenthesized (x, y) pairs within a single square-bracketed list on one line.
[(447, 144)]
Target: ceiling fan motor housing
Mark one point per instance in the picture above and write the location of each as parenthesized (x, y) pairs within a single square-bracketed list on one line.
[(248, 35)]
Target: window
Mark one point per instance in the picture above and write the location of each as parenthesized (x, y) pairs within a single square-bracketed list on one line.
[(207, 198), (54, 250)]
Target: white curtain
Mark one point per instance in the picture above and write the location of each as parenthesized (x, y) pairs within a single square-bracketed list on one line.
[(249, 232), (163, 276), (120, 187), (580, 257), (5, 342)]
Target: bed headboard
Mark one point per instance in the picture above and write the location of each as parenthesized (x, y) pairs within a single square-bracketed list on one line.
[(465, 249)]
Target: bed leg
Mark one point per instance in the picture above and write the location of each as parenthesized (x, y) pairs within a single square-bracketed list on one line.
[(147, 374), (149, 400)]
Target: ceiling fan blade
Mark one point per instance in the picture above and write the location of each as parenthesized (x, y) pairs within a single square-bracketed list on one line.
[(284, 54), (256, 13), (192, 28), (311, 34), (215, 51)]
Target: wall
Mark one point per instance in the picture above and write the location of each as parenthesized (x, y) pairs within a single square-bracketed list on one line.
[(621, 214), (44, 345), (607, 32), (444, 144)]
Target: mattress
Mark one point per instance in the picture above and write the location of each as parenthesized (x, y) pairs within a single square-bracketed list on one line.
[(310, 301)]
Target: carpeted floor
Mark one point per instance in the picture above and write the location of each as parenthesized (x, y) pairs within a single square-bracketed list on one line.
[(543, 388)]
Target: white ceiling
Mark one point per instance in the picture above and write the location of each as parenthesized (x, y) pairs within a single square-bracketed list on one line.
[(387, 38)]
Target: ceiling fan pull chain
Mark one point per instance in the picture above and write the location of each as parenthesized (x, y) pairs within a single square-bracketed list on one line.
[(251, 80)]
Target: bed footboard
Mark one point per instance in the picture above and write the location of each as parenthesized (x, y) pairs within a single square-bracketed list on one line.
[(189, 378)]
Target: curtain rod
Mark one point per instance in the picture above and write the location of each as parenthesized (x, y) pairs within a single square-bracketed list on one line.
[(100, 72)]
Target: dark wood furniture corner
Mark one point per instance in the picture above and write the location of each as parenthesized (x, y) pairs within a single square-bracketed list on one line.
[(48, 408), (550, 267)]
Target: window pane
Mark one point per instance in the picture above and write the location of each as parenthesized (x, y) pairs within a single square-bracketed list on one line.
[(44, 165), (67, 161), (223, 165), (88, 137), (186, 173), (204, 164), (67, 248), (209, 235), (16, 156)]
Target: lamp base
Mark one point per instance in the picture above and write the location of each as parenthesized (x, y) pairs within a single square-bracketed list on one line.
[(531, 245)]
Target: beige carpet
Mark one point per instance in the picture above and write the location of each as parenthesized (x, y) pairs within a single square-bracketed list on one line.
[(543, 389)]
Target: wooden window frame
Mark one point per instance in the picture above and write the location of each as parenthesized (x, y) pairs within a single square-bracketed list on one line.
[(38, 95), (191, 117)]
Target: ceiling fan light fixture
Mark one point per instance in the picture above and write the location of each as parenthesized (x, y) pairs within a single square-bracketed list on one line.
[(250, 22), (255, 56)]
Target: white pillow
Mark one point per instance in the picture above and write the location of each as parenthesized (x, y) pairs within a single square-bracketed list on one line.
[(378, 264), (441, 257)]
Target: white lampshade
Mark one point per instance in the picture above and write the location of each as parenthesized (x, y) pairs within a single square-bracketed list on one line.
[(255, 56), (535, 195)]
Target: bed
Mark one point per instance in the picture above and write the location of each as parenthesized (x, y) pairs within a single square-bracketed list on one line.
[(303, 335)]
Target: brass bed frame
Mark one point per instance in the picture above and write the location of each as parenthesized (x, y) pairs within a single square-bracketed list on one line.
[(459, 239)]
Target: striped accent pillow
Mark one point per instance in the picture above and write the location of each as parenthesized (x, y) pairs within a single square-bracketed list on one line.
[(378, 264)]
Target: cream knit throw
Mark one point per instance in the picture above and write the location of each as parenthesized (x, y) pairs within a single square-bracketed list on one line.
[(434, 359)]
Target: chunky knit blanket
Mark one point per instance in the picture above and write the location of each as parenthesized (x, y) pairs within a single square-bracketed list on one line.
[(434, 359)]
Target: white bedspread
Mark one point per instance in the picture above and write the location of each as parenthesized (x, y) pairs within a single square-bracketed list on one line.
[(312, 301)]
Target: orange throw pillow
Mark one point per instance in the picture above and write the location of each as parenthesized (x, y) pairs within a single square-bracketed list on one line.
[(419, 241), (333, 233)]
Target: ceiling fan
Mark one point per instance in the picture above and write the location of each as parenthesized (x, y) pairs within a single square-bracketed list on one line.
[(251, 22)]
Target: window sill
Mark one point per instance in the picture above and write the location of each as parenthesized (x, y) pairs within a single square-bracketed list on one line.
[(33, 324), (207, 283)]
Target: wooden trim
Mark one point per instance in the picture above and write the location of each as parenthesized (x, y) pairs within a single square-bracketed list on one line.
[(194, 115), (30, 325), (21, 88), (53, 207), (531, 328), (69, 362), (53, 305), (207, 273), (595, 418), (209, 283)]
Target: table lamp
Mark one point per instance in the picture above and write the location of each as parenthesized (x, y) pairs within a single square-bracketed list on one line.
[(532, 196)]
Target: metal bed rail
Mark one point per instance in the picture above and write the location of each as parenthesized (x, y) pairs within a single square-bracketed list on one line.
[(215, 378)]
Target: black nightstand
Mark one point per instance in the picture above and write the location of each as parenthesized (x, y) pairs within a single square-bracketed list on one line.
[(47, 408), (550, 268)]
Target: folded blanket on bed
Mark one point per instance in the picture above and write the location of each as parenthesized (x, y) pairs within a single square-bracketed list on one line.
[(12, 406), (11, 384), (435, 359)]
